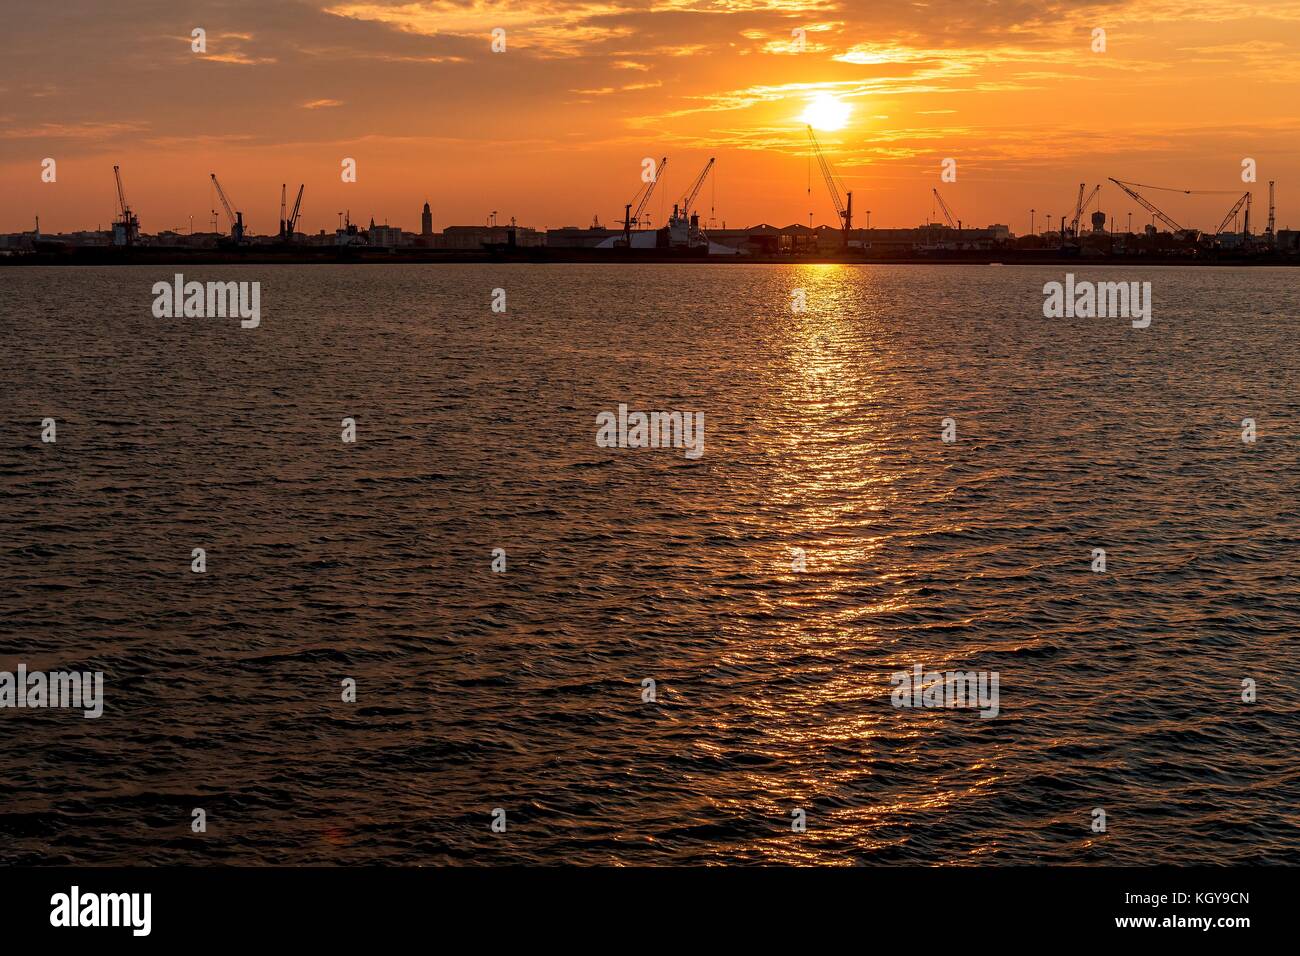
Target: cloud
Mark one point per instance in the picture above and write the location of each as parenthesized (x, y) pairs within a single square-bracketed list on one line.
[(566, 28), (229, 48), (91, 129), (1005, 85), (241, 59), (629, 88)]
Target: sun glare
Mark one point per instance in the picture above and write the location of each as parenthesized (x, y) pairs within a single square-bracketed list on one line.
[(826, 112)]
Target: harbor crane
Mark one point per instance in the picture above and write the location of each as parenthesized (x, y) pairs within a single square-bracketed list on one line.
[(289, 225), (1236, 208), (236, 218), (640, 200), (121, 194), (843, 207), (1148, 205), (947, 213), (1082, 203), (126, 229), (688, 197)]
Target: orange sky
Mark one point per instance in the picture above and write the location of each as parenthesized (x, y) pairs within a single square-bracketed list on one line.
[(554, 129)]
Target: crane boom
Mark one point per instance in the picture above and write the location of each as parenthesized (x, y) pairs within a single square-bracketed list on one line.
[(1236, 208), (1148, 206), (236, 218), (688, 198), (640, 199), (293, 219), (1081, 205), (121, 194), (648, 190), (126, 229), (1078, 209), (221, 194), (947, 213), (843, 208)]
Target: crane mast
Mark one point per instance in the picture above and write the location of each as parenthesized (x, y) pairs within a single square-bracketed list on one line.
[(1271, 214), (843, 207)]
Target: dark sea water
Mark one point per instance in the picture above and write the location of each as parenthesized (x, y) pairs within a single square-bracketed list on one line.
[(522, 690)]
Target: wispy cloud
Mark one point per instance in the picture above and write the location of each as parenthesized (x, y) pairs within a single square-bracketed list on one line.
[(628, 88), (566, 28), (241, 59), (89, 130)]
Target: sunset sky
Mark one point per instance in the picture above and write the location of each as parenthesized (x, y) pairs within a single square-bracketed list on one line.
[(553, 130)]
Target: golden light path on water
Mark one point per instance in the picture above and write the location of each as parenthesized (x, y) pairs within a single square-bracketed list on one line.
[(830, 405)]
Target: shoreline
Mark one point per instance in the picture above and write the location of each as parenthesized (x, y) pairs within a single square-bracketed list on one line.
[(174, 256)]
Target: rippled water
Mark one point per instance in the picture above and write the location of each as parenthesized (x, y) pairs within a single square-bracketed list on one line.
[(522, 690)]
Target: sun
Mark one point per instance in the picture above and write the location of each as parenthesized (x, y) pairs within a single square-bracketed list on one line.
[(826, 112)]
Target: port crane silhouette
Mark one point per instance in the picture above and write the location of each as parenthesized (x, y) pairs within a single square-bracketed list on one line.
[(236, 218), (1174, 227), (843, 206), (1243, 201), (1080, 205), (1147, 205), (640, 200), (289, 225), (688, 197), (947, 213), (130, 224)]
